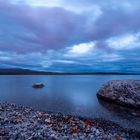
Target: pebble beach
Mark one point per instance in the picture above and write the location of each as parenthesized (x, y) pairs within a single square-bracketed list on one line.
[(18, 122)]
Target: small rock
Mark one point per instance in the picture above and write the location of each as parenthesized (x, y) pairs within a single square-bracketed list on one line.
[(47, 120), (38, 85)]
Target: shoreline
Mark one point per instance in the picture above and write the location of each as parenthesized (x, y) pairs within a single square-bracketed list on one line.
[(20, 122)]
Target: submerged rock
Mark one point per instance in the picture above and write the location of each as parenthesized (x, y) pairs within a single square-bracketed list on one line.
[(123, 92), (38, 85)]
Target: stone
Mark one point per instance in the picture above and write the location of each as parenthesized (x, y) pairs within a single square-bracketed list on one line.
[(38, 85), (47, 120), (57, 127), (122, 92)]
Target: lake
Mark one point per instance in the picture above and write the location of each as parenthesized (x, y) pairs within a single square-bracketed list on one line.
[(66, 94)]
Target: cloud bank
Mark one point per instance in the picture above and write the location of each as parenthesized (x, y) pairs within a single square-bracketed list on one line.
[(58, 34)]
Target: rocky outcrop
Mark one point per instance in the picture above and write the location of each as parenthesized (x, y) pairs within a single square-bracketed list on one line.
[(123, 92)]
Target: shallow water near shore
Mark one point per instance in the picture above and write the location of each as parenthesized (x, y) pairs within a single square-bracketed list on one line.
[(67, 94)]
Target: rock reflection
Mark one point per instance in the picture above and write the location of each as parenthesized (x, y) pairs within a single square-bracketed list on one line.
[(119, 110)]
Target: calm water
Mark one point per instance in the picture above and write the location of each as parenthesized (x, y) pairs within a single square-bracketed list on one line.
[(67, 94)]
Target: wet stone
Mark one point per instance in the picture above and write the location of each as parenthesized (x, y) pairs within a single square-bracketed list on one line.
[(23, 123)]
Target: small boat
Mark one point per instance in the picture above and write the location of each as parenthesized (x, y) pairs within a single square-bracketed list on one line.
[(38, 85)]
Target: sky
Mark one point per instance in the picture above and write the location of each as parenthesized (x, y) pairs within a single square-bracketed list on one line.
[(70, 36)]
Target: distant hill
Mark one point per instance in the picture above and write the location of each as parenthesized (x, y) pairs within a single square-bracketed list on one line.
[(18, 71)]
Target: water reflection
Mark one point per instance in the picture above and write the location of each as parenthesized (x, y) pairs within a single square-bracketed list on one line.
[(120, 110)]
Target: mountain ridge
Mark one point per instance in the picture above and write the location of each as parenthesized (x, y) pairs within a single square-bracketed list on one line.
[(20, 71)]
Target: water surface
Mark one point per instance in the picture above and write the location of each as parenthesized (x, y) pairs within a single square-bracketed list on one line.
[(66, 94)]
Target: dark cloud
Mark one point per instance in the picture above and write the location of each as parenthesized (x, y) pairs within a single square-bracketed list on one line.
[(56, 27), (115, 23), (26, 29), (104, 46), (52, 27)]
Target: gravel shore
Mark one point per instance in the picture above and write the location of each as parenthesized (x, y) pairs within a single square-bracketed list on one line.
[(23, 123)]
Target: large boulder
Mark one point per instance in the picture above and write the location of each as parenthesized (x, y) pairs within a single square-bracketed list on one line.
[(123, 92)]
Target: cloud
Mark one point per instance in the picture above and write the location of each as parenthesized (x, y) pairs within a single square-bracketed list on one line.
[(81, 49), (57, 27), (52, 27), (66, 34), (125, 42)]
